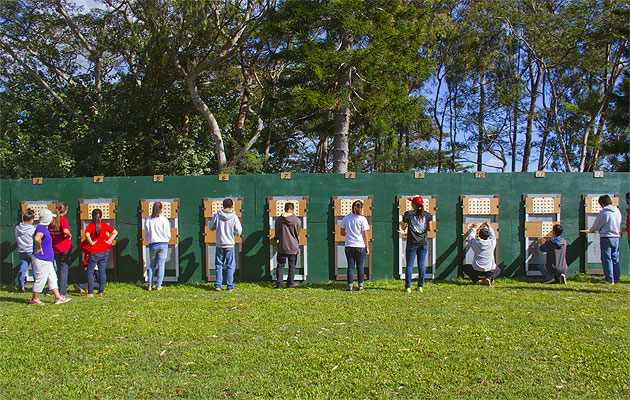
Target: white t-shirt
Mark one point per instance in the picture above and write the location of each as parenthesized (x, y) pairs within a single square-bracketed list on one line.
[(355, 226)]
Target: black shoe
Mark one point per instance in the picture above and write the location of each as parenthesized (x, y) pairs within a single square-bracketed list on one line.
[(278, 287)]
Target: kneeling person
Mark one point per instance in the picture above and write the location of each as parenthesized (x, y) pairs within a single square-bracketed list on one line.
[(556, 267), (483, 269)]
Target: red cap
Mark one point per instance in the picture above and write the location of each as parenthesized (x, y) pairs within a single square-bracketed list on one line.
[(417, 200)]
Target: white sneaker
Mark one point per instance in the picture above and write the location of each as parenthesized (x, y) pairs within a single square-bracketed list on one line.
[(62, 300), (563, 279), (37, 302)]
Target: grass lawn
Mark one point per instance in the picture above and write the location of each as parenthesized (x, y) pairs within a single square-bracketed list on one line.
[(517, 340)]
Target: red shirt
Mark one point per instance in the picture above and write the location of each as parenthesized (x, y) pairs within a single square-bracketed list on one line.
[(101, 245), (628, 223), (60, 242)]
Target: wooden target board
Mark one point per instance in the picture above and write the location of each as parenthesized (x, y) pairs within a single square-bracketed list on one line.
[(170, 210), (404, 205), (542, 212), (108, 210), (592, 251), (479, 209), (210, 207), (342, 206), (275, 208)]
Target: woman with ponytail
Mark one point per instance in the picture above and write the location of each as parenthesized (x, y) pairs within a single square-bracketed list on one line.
[(62, 245), (157, 232), (99, 236)]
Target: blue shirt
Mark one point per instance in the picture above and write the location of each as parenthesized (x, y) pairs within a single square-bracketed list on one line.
[(47, 249)]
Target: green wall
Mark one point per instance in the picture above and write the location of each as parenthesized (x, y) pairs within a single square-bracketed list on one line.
[(319, 188)]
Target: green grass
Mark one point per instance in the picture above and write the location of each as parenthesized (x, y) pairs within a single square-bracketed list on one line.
[(516, 340)]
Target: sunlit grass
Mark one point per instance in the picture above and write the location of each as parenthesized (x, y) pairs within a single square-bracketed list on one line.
[(455, 340)]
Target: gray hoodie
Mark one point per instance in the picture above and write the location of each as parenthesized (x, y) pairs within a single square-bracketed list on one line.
[(227, 225), (24, 237), (608, 222)]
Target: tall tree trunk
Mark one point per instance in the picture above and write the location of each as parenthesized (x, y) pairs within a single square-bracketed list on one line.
[(514, 136), (480, 118), (203, 109), (531, 113), (342, 111), (438, 122), (592, 164)]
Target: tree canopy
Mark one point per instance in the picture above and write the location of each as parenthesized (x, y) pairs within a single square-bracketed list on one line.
[(192, 87)]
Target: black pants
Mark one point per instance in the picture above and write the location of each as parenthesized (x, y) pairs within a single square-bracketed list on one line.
[(475, 275), (282, 260)]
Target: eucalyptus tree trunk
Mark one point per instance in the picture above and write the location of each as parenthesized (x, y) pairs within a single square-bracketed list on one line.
[(480, 117), (531, 112), (341, 114)]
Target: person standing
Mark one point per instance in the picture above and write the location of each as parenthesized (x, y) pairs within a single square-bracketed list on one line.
[(157, 232), (555, 268), (354, 227), (100, 237), (227, 225), (43, 256), (608, 224), (627, 230), (416, 222), (287, 229), (24, 237), (62, 245), (483, 269)]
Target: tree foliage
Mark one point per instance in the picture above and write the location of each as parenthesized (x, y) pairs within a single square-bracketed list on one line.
[(138, 87)]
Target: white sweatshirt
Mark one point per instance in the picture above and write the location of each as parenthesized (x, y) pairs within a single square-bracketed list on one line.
[(157, 230), (484, 250)]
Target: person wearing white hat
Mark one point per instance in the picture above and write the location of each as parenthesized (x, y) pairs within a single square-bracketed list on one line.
[(416, 222), (43, 256)]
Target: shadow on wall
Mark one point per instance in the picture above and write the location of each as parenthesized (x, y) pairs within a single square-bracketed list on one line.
[(188, 263), (253, 269), (8, 271), (575, 250)]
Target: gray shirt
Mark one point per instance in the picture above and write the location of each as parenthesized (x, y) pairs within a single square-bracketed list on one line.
[(483, 249)]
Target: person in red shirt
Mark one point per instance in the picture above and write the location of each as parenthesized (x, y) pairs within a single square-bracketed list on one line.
[(62, 245), (99, 236), (627, 219)]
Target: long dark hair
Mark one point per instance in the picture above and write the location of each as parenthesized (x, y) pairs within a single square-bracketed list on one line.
[(96, 220), (157, 209)]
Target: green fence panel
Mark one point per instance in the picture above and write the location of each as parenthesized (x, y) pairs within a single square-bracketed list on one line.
[(319, 188)]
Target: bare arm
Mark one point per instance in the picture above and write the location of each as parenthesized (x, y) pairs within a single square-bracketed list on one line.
[(367, 242), (112, 236), (89, 239), (38, 241), (66, 233)]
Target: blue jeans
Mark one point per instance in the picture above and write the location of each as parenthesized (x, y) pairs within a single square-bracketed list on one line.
[(224, 257), (610, 258), (355, 256), (419, 252), (158, 257), (62, 260), (99, 259), (25, 261)]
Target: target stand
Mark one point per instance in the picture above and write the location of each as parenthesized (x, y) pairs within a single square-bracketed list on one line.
[(108, 209), (479, 209), (342, 206), (36, 206), (592, 250), (404, 205), (170, 209), (276, 209), (210, 207), (542, 212)]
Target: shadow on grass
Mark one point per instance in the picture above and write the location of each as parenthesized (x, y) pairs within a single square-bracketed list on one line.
[(14, 300), (552, 288)]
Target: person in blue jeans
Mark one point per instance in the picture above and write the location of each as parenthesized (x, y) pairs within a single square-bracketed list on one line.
[(354, 227), (608, 224), (416, 222), (227, 225), (24, 237), (100, 237), (157, 232)]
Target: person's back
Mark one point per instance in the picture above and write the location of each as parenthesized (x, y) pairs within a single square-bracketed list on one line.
[(608, 222), (227, 225), (288, 232), (483, 249), (24, 237)]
